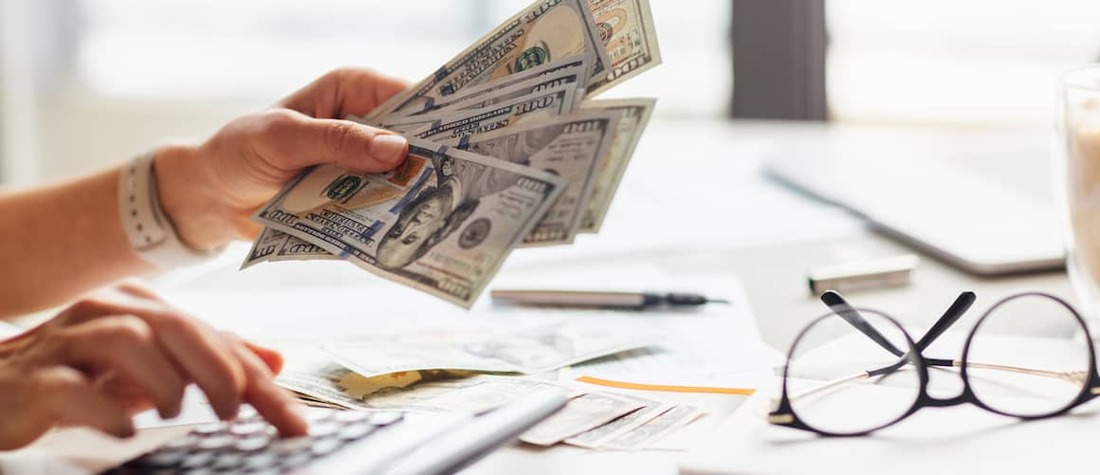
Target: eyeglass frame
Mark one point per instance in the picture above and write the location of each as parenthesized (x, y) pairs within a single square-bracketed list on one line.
[(784, 415)]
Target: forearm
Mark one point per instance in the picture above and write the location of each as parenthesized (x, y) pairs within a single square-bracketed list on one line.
[(60, 241)]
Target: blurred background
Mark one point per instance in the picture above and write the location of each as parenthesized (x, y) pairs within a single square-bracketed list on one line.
[(84, 83)]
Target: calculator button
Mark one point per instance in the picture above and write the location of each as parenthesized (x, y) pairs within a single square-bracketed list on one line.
[(326, 446), (248, 428), (355, 431), (228, 461), (216, 442), (210, 429), (323, 429), (296, 459), (260, 461), (197, 459), (290, 446), (252, 444)]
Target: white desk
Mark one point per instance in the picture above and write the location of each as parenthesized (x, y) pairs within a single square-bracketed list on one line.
[(693, 201)]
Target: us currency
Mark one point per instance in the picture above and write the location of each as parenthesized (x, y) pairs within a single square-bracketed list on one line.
[(442, 222), (572, 147), (267, 244), (627, 33), (298, 249), (545, 31), (656, 429), (530, 87), (411, 391), (450, 126), (581, 414), (598, 437), (634, 115), (532, 350), (565, 71), (274, 245)]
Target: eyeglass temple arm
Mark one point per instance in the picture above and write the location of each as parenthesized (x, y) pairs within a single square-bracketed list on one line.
[(841, 307), (961, 304), (838, 305)]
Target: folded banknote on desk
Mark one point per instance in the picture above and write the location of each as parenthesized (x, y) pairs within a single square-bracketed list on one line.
[(529, 351), (592, 419), (507, 149)]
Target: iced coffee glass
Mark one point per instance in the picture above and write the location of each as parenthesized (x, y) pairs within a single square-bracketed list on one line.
[(1079, 184)]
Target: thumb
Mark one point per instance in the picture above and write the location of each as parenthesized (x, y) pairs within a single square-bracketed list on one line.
[(295, 141)]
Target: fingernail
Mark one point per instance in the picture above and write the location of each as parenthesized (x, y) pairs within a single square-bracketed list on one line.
[(388, 148)]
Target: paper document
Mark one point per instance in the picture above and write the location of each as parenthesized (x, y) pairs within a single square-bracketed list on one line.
[(529, 350)]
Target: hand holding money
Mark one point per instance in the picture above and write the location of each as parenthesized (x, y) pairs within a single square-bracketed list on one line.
[(210, 190), (508, 151)]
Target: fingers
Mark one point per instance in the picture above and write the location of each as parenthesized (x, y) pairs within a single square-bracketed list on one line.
[(67, 396), (204, 359), (293, 141), (343, 92), (271, 358), (127, 344), (272, 402), (195, 351)]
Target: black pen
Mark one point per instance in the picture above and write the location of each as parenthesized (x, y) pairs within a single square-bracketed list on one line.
[(601, 299)]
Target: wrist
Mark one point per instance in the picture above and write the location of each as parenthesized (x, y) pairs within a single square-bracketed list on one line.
[(185, 191)]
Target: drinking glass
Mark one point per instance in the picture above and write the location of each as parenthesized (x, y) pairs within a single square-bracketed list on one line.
[(1077, 180)]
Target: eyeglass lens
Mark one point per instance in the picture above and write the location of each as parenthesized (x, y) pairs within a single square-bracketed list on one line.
[(841, 380), (1027, 357)]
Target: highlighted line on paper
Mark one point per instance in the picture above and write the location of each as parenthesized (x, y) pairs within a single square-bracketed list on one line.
[(664, 387)]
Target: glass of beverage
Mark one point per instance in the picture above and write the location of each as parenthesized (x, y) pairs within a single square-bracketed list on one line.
[(1078, 181)]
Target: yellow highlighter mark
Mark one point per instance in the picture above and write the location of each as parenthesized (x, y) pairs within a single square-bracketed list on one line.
[(663, 387)]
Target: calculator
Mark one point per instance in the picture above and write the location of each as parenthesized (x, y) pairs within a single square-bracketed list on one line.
[(347, 441)]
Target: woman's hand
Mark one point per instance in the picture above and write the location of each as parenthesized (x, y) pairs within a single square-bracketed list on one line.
[(122, 351), (210, 190)]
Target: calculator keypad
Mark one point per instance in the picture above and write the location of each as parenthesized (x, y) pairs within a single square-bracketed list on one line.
[(251, 445)]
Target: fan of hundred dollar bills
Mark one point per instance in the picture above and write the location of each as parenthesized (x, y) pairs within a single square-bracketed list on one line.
[(507, 148)]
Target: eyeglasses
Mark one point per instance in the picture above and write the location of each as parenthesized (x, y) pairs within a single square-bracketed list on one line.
[(877, 375)]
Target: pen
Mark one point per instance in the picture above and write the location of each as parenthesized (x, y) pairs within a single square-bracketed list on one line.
[(584, 298)]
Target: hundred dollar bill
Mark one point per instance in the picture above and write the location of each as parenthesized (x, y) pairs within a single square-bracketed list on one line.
[(274, 245), (571, 147), (545, 31), (600, 436), (409, 391), (541, 105), (627, 33), (297, 249), (267, 244), (655, 429), (442, 222), (529, 350), (580, 415), (566, 71), (528, 88), (634, 115)]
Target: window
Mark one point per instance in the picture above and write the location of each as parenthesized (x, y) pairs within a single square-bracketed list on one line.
[(973, 62), (122, 75)]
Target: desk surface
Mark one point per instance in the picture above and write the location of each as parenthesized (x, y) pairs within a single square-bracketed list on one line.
[(694, 200)]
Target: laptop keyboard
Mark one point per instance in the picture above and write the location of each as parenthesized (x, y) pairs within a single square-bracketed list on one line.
[(251, 445)]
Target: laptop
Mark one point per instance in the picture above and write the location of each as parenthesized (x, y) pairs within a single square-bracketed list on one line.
[(979, 200)]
